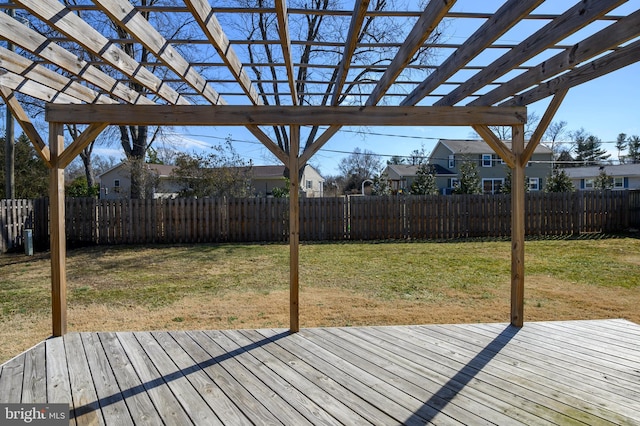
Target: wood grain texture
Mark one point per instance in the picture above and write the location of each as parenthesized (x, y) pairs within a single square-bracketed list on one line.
[(234, 115), (556, 373), (569, 22)]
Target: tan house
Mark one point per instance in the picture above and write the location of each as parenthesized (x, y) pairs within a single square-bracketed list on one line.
[(115, 183)]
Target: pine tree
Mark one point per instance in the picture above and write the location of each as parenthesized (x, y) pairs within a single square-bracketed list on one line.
[(634, 149), (559, 181), (588, 149), (425, 182), (603, 181), (469, 182), (381, 185)]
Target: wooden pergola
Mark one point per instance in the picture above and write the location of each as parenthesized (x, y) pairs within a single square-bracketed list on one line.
[(85, 74)]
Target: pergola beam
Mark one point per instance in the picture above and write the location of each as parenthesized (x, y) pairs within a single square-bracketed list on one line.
[(57, 233), (428, 21), (544, 123), (569, 22), (122, 11), (27, 126), (285, 43), (233, 115), (209, 24), (609, 38), (70, 24), (28, 69), (517, 227), (506, 17), (615, 60), (353, 35), (37, 44)]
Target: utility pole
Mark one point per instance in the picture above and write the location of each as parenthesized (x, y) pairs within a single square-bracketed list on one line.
[(9, 146)]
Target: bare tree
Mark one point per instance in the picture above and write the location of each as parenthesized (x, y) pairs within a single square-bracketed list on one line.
[(504, 132), (316, 33)]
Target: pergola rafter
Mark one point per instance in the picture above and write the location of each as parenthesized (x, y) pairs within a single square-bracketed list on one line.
[(500, 22), (205, 17), (86, 74), (568, 23), (68, 23), (609, 38)]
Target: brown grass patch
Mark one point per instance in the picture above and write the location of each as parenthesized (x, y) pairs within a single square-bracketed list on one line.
[(546, 299)]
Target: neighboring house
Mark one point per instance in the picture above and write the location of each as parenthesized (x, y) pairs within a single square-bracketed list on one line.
[(625, 176), (265, 178), (115, 183), (449, 154), (401, 176)]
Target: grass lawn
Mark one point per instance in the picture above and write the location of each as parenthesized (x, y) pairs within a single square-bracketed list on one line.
[(246, 286)]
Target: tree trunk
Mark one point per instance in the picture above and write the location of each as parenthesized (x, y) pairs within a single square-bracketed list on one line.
[(134, 143)]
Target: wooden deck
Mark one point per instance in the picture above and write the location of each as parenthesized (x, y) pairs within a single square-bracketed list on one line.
[(573, 372)]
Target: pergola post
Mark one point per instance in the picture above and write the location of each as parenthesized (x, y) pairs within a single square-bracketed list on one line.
[(57, 232), (517, 227), (294, 230)]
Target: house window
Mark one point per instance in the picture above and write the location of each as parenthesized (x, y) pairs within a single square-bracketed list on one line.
[(618, 183), (309, 184), (116, 186), (452, 161), (588, 183), (487, 160), (453, 182), (534, 184), (492, 186)]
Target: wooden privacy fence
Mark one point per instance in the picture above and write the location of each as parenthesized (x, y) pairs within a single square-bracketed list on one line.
[(91, 221)]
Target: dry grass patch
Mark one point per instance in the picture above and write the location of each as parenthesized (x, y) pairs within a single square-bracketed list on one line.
[(234, 286)]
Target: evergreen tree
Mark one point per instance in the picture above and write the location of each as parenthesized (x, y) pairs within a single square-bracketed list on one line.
[(589, 149), (559, 181), (425, 182), (469, 182), (31, 174), (621, 144), (603, 181), (565, 159), (506, 186), (381, 185), (634, 149)]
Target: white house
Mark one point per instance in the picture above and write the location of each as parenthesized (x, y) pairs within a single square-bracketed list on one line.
[(625, 176), (115, 183)]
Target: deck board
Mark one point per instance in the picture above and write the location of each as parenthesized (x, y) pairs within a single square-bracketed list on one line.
[(564, 372)]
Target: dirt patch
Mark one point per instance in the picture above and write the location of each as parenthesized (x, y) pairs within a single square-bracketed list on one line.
[(546, 299)]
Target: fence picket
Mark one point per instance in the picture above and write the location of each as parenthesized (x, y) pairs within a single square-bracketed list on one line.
[(91, 221)]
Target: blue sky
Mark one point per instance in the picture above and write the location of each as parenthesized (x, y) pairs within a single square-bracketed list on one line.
[(604, 107)]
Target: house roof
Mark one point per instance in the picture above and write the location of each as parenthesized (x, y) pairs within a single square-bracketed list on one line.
[(405, 170), (615, 170), (464, 146), (259, 172)]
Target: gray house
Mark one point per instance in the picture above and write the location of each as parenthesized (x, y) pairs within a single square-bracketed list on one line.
[(115, 183), (625, 176), (450, 154), (401, 176)]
